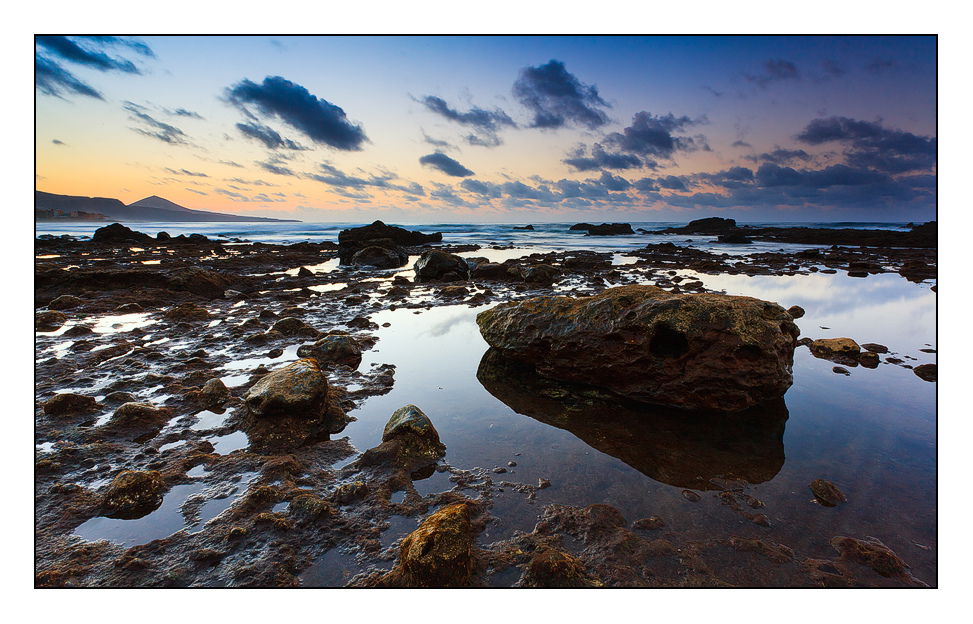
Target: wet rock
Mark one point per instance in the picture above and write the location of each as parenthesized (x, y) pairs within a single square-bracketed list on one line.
[(380, 257), (305, 272), (871, 553), (77, 330), (839, 350), (735, 238), (436, 265), (133, 494), (119, 397), (411, 425), (696, 351), (213, 393), (539, 274), (489, 271), (129, 414), (65, 302), (440, 553), (709, 225), (691, 496), (525, 227), (292, 326), (651, 523), (350, 492), (361, 322), (298, 388), (827, 493), (543, 484), (554, 568), (199, 281), (760, 520), (868, 359), (187, 312), (840, 371), (118, 233), (333, 349), (68, 403), (453, 292), (379, 230), (610, 229), (874, 348), (926, 372), (50, 320), (796, 312)]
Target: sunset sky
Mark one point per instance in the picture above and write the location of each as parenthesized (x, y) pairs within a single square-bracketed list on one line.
[(515, 129)]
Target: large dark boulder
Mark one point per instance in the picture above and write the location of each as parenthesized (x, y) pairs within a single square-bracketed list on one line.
[(709, 225), (380, 257), (297, 388), (692, 351), (379, 230), (606, 229), (118, 233), (439, 266)]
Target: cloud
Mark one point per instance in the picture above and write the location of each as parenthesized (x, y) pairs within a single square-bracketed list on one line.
[(613, 183), (58, 142), (231, 163), (334, 177), (182, 112), (519, 190), (781, 156), (741, 144), (320, 120), (442, 162), (870, 144), (487, 189), (154, 128), (266, 135), (250, 182), (443, 145), (50, 78), (486, 123), (240, 197), (195, 174), (770, 174), (195, 191), (833, 69), (653, 135), (600, 159), (557, 98), (774, 70), (72, 51), (275, 168), (734, 177)]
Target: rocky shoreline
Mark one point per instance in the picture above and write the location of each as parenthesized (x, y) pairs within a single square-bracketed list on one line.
[(156, 354)]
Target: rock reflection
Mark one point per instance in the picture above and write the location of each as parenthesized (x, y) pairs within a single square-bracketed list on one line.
[(679, 448)]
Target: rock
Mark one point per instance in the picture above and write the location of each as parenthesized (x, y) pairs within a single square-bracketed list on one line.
[(65, 302), (133, 494), (440, 553), (526, 227), (868, 359), (298, 388), (709, 225), (411, 424), (842, 350), (539, 274), (68, 403), (693, 351), (691, 496), (453, 292), (379, 230), (827, 493), (875, 348), (871, 553), (214, 392), (305, 272), (77, 330), (348, 493), (554, 568), (118, 397), (138, 413), (610, 229), (380, 257), (292, 326), (926, 372), (199, 281), (841, 371), (333, 349), (187, 312), (129, 308), (49, 321), (736, 238), (796, 312), (436, 265), (651, 523), (543, 484), (489, 270), (583, 227), (118, 233)]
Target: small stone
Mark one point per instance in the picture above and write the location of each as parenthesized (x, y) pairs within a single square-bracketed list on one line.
[(499, 470), (796, 312), (651, 523), (926, 372), (543, 484), (133, 494), (827, 493), (511, 463), (691, 496), (760, 519), (875, 348), (840, 370)]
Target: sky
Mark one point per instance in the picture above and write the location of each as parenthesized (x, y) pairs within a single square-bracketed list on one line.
[(495, 129)]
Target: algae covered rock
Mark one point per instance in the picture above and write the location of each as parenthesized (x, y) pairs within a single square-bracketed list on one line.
[(412, 424), (297, 388), (554, 568), (138, 413), (50, 320), (133, 494), (67, 403), (380, 257), (692, 351), (440, 553), (926, 372), (828, 348)]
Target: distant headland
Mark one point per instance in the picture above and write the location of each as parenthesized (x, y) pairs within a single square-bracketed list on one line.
[(53, 207)]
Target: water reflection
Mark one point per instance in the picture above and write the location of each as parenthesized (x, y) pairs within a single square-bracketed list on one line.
[(679, 448)]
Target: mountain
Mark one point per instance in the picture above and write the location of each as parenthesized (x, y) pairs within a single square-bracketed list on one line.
[(152, 208)]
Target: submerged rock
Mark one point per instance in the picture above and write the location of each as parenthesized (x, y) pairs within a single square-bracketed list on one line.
[(436, 265), (874, 554), (693, 351), (555, 568), (133, 494), (298, 388), (410, 443), (827, 493)]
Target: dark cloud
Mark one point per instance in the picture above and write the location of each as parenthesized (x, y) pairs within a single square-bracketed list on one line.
[(653, 135), (444, 163), (58, 142), (250, 182), (600, 159), (519, 190), (275, 168), (139, 47), (673, 183), (72, 51), (781, 156), (231, 163), (182, 112), (487, 189), (240, 197), (186, 172), (557, 98), (486, 123), (320, 120), (741, 144), (613, 183), (734, 177), (870, 144), (152, 127), (446, 145), (266, 135), (714, 91), (769, 175), (774, 70), (197, 192), (334, 177), (50, 78)]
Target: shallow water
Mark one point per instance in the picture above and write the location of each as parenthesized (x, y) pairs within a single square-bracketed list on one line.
[(872, 433)]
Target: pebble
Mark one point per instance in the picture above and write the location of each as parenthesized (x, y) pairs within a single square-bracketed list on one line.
[(511, 463), (691, 496), (543, 483), (840, 370)]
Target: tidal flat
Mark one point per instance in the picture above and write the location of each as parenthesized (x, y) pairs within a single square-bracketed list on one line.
[(151, 352)]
